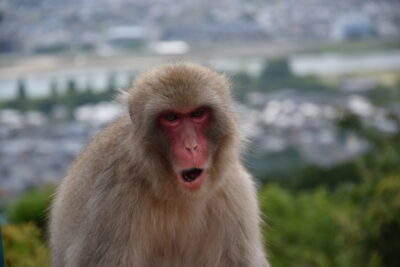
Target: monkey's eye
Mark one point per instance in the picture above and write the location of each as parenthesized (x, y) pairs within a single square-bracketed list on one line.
[(170, 117), (198, 113)]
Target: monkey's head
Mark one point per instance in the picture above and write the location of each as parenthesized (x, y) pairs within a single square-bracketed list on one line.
[(182, 115)]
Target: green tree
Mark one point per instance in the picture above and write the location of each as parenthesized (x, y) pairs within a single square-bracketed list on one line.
[(53, 89), (276, 70), (71, 88), (71, 98), (21, 101), (276, 75), (21, 90)]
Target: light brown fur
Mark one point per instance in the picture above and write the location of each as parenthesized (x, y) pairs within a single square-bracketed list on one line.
[(121, 205)]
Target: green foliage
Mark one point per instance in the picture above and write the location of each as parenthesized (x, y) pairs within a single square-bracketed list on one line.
[(31, 207), (24, 246), (354, 226), (301, 228), (333, 177), (379, 216)]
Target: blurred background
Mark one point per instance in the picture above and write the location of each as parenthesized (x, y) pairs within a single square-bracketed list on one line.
[(317, 83)]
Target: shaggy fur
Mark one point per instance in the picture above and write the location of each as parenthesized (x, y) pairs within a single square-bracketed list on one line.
[(121, 204)]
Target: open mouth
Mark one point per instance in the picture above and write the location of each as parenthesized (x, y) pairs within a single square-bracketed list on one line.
[(191, 175)]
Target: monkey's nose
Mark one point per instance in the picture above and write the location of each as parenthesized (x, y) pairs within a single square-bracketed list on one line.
[(191, 145), (192, 149)]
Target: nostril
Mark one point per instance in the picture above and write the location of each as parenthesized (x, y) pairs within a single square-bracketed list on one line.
[(192, 148), (191, 144)]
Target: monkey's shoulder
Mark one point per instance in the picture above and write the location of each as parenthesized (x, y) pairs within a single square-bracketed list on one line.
[(104, 149), (115, 133)]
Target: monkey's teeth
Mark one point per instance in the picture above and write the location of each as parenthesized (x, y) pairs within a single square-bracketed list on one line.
[(191, 174)]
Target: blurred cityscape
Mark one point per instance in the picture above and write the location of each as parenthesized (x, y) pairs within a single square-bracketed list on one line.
[(59, 73), (50, 25), (317, 89)]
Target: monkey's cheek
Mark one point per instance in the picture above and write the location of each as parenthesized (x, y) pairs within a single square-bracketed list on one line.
[(194, 185)]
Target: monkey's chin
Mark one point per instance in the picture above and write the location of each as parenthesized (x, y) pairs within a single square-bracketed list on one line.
[(192, 179)]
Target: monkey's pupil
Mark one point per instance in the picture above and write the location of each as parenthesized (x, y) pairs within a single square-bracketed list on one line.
[(197, 113), (171, 117)]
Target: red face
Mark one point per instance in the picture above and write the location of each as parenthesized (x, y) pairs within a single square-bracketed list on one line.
[(186, 131)]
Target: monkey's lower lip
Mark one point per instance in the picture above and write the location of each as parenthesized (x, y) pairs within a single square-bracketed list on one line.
[(191, 175)]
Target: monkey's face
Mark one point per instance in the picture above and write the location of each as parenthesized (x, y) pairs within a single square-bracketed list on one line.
[(186, 133), (183, 117)]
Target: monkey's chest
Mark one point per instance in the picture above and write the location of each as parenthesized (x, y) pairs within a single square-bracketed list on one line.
[(193, 250), (181, 242)]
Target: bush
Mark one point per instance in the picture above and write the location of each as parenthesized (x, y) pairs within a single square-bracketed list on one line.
[(24, 247), (31, 207), (356, 225), (301, 228), (379, 217)]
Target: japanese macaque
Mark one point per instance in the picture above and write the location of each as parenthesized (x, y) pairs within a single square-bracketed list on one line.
[(164, 184)]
